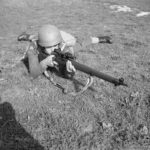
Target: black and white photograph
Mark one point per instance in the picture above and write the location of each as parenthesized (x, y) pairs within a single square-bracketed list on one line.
[(74, 74)]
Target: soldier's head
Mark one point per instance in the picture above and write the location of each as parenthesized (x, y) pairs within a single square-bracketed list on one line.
[(49, 38)]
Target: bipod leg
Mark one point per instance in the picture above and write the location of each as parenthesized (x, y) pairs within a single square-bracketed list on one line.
[(88, 84)]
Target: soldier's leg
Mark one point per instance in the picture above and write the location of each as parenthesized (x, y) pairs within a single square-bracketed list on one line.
[(84, 42)]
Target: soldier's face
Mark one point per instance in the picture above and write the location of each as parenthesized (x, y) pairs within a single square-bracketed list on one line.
[(51, 49)]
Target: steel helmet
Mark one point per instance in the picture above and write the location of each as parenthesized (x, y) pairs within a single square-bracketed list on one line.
[(49, 35)]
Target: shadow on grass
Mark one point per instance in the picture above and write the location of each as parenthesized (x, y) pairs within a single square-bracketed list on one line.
[(12, 135)]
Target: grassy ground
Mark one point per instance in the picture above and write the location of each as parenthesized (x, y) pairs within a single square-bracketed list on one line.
[(36, 115)]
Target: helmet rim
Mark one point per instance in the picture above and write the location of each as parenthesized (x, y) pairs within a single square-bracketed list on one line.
[(48, 36)]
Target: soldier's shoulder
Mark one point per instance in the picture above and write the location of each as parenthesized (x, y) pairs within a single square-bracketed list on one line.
[(68, 38)]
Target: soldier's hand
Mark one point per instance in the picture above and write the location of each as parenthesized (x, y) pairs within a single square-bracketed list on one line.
[(49, 62), (70, 67)]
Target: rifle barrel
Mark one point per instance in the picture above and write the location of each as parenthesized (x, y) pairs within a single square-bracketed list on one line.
[(98, 74), (62, 60)]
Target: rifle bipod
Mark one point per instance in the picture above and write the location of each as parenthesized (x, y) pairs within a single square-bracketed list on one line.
[(87, 85), (65, 90)]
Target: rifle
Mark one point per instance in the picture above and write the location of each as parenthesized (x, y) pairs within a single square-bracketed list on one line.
[(61, 58)]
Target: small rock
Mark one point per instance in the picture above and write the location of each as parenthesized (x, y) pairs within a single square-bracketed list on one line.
[(135, 94), (60, 102), (88, 128), (28, 118), (118, 8), (142, 13), (2, 79), (144, 130), (107, 125)]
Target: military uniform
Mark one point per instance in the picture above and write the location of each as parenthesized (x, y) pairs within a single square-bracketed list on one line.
[(37, 57)]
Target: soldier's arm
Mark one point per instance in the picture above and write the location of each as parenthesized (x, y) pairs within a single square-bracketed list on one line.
[(35, 68)]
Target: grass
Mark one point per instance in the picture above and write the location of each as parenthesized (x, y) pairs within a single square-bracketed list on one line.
[(67, 131), (35, 115)]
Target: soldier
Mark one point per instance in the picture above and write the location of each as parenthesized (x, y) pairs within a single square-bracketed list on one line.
[(50, 38)]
